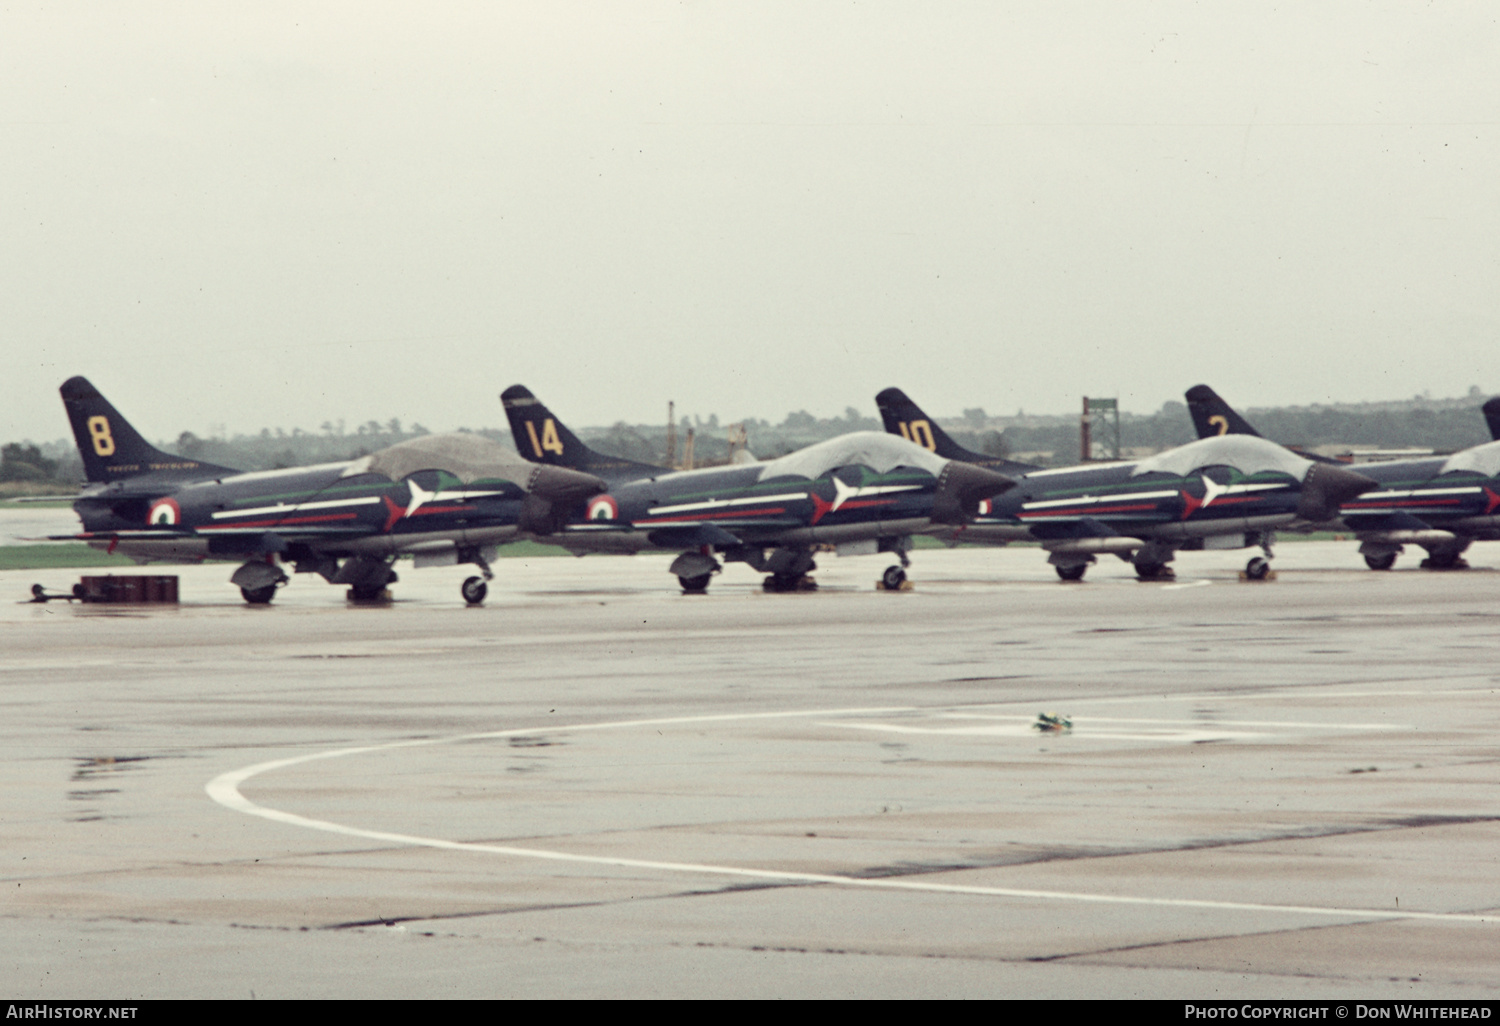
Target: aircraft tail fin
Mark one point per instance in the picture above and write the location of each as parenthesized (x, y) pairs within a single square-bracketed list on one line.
[(541, 438), (113, 450), (1492, 417), (1213, 416), (905, 418)]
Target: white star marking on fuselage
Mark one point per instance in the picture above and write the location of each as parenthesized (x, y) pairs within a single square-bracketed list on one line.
[(1211, 490), (419, 495), (843, 492)]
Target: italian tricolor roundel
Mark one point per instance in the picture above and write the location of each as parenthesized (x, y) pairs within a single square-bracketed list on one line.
[(164, 512), (604, 507)]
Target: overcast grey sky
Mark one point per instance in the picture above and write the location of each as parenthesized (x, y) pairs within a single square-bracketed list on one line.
[(277, 214)]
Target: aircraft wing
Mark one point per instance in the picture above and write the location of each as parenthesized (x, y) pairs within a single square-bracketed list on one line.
[(1092, 525), (1397, 520), (148, 534), (682, 534), (227, 540)]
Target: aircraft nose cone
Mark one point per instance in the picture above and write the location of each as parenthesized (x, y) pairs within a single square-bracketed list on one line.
[(561, 486), (1326, 487), (960, 487)]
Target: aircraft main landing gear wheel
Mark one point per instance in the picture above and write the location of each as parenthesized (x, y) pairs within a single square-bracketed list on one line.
[(893, 578), (1072, 573), (474, 590), (1445, 561), (259, 596), (695, 585), (1154, 572), (789, 582), (1384, 561), (1257, 569)]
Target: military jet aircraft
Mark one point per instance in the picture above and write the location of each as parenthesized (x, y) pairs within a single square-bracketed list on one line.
[(1442, 503), (1228, 492), (445, 499), (861, 493)]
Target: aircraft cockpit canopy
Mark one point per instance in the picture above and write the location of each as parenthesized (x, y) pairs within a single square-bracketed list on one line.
[(1248, 454), (874, 449), (466, 456), (1481, 459)]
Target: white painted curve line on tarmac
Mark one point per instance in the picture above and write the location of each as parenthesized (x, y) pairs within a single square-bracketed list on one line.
[(225, 789), (1186, 584)]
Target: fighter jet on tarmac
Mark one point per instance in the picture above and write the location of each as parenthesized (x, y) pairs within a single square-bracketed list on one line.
[(445, 499), (1231, 492), (1442, 503), (861, 493)]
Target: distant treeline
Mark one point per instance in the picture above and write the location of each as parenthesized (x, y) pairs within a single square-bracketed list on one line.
[(1444, 425)]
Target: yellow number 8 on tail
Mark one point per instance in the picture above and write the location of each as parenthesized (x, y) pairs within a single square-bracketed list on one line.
[(104, 442)]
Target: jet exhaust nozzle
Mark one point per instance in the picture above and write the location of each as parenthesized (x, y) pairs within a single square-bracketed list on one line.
[(961, 487), (551, 493), (561, 485), (1327, 487)]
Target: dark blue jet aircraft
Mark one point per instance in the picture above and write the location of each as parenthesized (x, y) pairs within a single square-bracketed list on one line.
[(445, 499), (1231, 492), (859, 493), (1442, 503)]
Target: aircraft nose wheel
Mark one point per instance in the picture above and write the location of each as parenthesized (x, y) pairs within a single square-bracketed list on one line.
[(1257, 569), (893, 578), (474, 590)]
